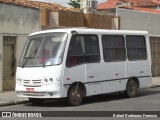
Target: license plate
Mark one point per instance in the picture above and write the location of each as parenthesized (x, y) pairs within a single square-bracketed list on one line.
[(30, 89)]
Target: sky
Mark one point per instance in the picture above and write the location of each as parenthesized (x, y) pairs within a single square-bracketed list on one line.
[(64, 2)]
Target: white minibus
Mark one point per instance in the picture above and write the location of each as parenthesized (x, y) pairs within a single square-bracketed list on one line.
[(74, 63)]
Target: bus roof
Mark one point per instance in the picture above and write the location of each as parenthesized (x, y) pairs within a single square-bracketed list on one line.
[(93, 31)]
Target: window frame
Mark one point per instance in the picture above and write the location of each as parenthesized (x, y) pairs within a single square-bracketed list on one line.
[(137, 48), (84, 54), (114, 48)]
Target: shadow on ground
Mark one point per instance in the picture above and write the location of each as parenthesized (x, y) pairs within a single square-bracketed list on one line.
[(98, 98)]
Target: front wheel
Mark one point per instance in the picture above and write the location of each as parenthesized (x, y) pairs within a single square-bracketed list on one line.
[(75, 96), (131, 88)]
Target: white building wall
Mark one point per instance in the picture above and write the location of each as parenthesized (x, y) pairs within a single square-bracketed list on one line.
[(1, 61), (139, 20), (88, 6), (16, 21)]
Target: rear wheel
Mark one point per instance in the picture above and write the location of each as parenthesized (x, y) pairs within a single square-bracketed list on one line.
[(75, 96), (131, 88), (36, 101)]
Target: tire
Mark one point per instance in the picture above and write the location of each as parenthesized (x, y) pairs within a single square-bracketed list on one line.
[(131, 88), (75, 98), (36, 101)]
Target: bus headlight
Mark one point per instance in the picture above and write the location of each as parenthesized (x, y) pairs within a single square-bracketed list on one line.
[(48, 80), (19, 80), (51, 79)]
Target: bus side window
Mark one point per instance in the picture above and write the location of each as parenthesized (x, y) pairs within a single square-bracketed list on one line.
[(92, 53), (113, 48), (83, 49), (75, 52), (136, 47)]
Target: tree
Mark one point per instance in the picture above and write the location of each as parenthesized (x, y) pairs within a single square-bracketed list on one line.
[(74, 3)]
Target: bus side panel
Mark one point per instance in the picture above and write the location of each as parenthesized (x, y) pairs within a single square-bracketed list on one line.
[(71, 75), (105, 77), (141, 70), (145, 81), (114, 86)]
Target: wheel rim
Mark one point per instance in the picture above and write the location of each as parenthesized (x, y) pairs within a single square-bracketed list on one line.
[(75, 96), (132, 87)]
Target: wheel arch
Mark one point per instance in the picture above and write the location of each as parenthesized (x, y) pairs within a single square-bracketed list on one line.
[(135, 79), (81, 85)]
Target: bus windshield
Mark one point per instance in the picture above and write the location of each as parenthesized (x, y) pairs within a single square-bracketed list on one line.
[(43, 50)]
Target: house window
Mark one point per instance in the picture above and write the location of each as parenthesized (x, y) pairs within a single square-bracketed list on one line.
[(88, 3)]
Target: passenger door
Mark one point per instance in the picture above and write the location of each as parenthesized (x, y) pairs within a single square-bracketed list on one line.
[(75, 62), (93, 67)]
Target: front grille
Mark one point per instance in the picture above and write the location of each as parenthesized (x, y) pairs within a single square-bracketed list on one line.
[(35, 83), (33, 94)]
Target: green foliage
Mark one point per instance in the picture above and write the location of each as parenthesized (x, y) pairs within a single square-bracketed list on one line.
[(75, 4)]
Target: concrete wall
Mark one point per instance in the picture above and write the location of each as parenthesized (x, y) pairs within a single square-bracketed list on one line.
[(137, 20), (16, 21), (76, 19), (1, 62), (115, 23)]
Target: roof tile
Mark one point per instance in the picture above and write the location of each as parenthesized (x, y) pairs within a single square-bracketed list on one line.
[(38, 5), (143, 9), (141, 3), (109, 4)]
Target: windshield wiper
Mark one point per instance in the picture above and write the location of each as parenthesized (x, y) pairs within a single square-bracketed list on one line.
[(26, 58)]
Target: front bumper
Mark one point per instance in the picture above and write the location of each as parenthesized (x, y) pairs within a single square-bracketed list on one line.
[(44, 91)]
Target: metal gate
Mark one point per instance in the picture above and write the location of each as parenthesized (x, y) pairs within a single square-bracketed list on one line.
[(155, 53), (9, 45)]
